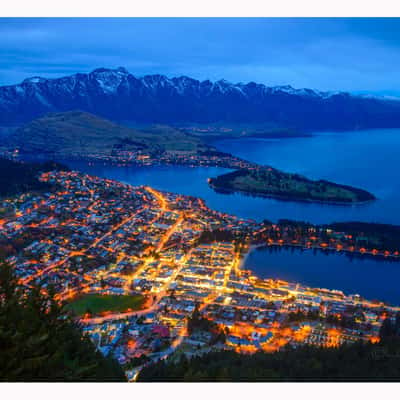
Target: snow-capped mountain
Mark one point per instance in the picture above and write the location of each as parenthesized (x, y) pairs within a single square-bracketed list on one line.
[(118, 95)]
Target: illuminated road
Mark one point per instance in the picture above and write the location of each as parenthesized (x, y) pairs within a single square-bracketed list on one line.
[(83, 251), (209, 274), (119, 315), (148, 260)]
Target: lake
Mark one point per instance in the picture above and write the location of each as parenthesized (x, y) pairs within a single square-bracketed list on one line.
[(370, 277), (367, 159)]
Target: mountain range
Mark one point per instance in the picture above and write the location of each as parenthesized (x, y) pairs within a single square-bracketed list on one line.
[(120, 96)]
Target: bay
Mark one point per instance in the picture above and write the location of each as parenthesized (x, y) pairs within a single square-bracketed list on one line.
[(370, 277)]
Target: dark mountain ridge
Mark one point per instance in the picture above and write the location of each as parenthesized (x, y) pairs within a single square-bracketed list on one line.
[(120, 96)]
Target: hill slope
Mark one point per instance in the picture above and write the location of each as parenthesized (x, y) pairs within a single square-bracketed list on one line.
[(349, 363), (81, 133), (120, 96)]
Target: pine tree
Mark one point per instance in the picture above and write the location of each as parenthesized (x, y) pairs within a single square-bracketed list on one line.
[(39, 342)]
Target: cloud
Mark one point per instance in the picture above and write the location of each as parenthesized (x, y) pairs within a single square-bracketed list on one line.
[(328, 54)]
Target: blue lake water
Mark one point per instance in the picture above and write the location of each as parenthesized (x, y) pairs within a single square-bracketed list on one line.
[(367, 159), (370, 277)]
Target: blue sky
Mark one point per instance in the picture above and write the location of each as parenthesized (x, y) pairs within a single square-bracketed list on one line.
[(357, 55)]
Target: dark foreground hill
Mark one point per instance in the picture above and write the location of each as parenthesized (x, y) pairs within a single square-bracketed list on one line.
[(38, 342), (118, 95), (357, 362)]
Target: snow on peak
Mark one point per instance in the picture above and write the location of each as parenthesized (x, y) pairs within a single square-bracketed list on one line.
[(122, 70), (184, 83), (304, 92), (109, 79), (34, 79), (155, 81), (379, 97)]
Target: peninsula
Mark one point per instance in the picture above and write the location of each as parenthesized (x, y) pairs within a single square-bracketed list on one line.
[(80, 135), (265, 181)]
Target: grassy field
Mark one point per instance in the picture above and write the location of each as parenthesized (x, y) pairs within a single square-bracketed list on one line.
[(96, 303)]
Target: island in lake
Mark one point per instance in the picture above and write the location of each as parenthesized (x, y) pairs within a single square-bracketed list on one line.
[(270, 182)]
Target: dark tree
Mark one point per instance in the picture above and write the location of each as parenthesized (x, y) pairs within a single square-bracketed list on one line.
[(38, 342), (387, 329)]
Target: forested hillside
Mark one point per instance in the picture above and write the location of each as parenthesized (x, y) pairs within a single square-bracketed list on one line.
[(39, 342), (19, 177), (356, 362)]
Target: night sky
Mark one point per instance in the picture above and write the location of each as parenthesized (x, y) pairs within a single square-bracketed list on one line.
[(356, 55)]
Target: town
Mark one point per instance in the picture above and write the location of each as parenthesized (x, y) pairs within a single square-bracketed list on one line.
[(182, 263), (205, 158)]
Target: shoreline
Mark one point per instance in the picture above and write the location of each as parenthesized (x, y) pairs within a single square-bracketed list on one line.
[(254, 247), (251, 248), (90, 161), (346, 252)]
